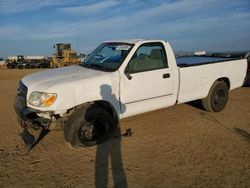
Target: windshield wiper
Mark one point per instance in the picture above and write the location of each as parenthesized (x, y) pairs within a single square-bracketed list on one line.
[(99, 67), (96, 67)]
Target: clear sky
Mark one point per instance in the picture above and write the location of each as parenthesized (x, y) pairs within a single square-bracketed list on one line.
[(31, 27)]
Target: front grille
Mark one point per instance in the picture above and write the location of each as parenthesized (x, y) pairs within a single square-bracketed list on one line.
[(22, 92)]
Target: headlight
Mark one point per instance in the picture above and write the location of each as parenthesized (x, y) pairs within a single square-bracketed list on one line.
[(41, 99)]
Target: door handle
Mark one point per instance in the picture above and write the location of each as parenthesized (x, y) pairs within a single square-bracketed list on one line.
[(166, 75)]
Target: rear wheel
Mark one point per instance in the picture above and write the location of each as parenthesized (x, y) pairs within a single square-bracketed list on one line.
[(217, 97), (89, 126)]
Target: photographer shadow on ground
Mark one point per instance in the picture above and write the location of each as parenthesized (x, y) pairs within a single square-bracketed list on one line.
[(108, 154)]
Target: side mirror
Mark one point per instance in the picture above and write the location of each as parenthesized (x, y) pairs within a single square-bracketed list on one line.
[(128, 75)]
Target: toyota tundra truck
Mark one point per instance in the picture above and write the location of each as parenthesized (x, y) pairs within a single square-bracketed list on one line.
[(121, 79)]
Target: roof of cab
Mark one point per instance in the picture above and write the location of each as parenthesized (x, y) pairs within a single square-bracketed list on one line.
[(131, 41)]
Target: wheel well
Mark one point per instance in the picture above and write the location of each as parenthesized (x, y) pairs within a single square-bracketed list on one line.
[(104, 104), (226, 80), (109, 107)]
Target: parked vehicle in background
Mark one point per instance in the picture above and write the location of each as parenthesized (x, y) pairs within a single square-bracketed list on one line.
[(37, 64), (121, 79), (18, 61), (23, 65), (22, 62), (11, 64), (64, 56), (26, 62)]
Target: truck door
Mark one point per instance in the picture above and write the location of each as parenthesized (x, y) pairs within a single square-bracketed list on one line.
[(147, 82)]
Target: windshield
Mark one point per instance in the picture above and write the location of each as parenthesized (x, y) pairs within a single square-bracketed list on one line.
[(107, 56)]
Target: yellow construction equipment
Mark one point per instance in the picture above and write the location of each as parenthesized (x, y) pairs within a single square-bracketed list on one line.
[(64, 56)]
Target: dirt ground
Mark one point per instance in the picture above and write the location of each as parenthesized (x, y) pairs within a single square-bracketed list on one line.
[(180, 146)]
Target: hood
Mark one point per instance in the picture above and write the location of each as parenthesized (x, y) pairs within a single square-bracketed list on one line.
[(73, 85), (43, 80)]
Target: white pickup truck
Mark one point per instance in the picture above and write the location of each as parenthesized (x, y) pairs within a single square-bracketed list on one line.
[(121, 79)]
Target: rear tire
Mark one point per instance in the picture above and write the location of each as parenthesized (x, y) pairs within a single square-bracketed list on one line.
[(89, 126), (217, 97)]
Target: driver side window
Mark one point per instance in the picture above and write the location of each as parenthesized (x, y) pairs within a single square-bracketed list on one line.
[(149, 56)]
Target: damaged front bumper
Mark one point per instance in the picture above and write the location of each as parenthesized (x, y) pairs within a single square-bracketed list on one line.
[(34, 126), (29, 118)]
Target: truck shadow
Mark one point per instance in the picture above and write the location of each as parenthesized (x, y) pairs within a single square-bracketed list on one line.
[(246, 85), (236, 131), (243, 134), (110, 151), (196, 104)]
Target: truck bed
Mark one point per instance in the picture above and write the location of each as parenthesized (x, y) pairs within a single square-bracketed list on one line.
[(187, 61), (196, 81)]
